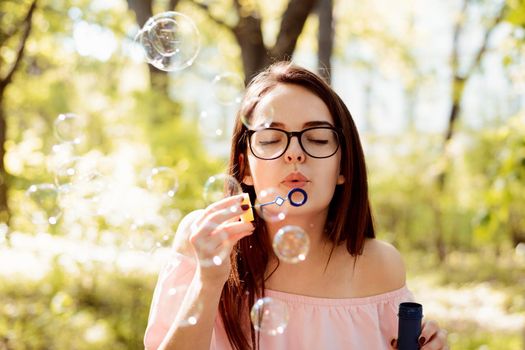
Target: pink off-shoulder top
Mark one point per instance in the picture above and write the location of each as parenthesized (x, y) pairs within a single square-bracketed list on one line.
[(364, 323)]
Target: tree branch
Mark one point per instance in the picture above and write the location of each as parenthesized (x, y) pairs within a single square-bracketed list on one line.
[(458, 28), (206, 9), (172, 5), (20, 52), (486, 37), (292, 25), (142, 9)]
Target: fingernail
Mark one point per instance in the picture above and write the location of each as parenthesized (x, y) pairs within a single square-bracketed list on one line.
[(245, 206), (422, 340)]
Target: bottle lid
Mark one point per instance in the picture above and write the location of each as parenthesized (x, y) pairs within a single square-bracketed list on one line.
[(412, 311)]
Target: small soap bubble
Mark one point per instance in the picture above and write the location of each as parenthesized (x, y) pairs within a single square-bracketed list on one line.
[(146, 237), (170, 41), (220, 186), (259, 118), (67, 172), (269, 316), (69, 128), (43, 205), (213, 122), (175, 297), (163, 181), (271, 205), (228, 88), (291, 244)]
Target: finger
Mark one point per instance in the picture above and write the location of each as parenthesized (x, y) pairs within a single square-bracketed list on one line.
[(428, 330), (236, 237), (237, 227), (227, 233), (219, 218), (393, 343), (224, 203), (437, 342)]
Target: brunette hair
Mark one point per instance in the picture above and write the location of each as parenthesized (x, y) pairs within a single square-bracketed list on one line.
[(349, 218)]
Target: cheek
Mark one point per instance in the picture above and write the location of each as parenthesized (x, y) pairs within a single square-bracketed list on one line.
[(261, 172)]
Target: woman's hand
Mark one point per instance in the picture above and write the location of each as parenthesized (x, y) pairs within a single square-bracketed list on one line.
[(213, 235), (432, 337)]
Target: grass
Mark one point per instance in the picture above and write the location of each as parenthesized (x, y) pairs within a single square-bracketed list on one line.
[(478, 296)]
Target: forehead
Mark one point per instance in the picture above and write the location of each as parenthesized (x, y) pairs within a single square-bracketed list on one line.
[(292, 106)]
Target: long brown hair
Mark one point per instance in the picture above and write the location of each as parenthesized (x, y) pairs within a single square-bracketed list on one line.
[(250, 256)]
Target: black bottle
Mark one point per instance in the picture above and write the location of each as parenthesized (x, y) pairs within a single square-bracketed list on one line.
[(410, 315)]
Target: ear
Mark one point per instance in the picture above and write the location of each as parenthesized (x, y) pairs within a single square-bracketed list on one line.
[(340, 179), (247, 179)]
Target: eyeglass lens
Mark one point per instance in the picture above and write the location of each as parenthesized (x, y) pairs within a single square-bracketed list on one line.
[(316, 142)]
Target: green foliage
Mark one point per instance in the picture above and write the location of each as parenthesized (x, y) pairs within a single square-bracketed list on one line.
[(83, 310), (482, 202), (497, 160)]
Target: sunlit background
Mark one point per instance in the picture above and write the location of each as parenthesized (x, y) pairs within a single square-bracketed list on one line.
[(104, 152)]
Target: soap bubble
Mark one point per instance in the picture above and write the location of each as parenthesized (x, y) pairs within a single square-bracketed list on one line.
[(260, 118), (228, 88), (149, 237), (170, 41), (67, 172), (175, 297), (43, 206), (271, 206), (163, 181), (213, 122), (291, 244), (269, 315), (165, 35), (69, 128), (220, 186)]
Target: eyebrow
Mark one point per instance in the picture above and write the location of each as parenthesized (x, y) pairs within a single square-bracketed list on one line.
[(305, 125)]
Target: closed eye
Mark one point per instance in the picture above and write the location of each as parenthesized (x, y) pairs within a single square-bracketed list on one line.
[(317, 141), (270, 142)]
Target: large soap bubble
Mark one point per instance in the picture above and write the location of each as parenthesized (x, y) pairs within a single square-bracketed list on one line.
[(269, 316), (220, 186), (291, 244), (170, 40)]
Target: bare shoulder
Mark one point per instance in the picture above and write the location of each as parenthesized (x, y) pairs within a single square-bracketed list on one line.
[(180, 241), (383, 267)]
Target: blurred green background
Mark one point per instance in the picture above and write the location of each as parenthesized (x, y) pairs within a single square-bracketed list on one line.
[(437, 89)]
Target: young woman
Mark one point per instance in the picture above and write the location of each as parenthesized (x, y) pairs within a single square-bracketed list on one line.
[(345, 294)]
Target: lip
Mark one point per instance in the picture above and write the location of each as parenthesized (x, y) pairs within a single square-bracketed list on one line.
[(295, 179)]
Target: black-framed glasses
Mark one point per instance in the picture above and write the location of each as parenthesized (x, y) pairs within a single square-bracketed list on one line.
[(271, 143)]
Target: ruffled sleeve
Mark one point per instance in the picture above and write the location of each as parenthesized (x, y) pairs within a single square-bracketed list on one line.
[(177, 274)]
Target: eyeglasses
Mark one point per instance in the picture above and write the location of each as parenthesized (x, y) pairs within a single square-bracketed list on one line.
[(271, 143)]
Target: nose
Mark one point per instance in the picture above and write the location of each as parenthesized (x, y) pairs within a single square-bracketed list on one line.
[(294, 153)]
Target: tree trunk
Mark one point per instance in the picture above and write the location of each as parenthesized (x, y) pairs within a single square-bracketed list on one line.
[(4, 83), (248, 33), (325, 39), (4, 207), (458, 87), (143, 10), (254, 54)]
